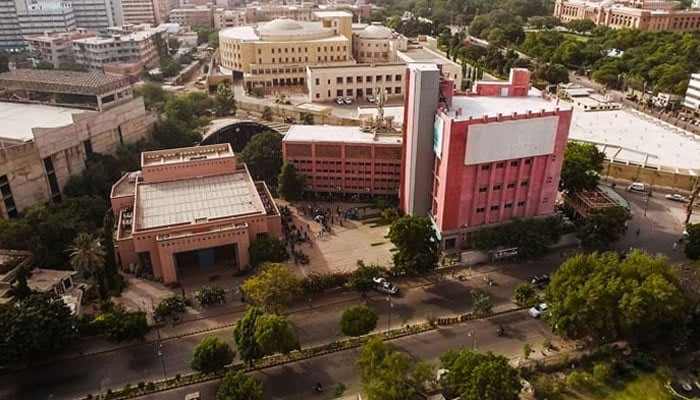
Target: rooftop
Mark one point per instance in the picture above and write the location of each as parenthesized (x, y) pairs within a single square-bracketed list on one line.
[(18, 119), (200, 198), (424, 55), (332, 14), (44, 280), (478, 106), (337, 134), (62, 81), (185, 154)]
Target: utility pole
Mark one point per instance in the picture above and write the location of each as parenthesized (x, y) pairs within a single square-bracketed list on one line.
[(693, 195)]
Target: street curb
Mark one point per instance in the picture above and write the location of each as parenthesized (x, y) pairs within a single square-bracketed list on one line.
[(304, 354)]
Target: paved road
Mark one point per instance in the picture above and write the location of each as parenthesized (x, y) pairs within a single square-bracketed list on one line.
[(295, 381)]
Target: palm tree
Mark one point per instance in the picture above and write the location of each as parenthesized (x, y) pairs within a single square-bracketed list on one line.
[(88, 256)]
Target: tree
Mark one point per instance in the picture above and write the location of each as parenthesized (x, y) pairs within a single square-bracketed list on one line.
[(388, 374), (173, 133), (173, 45), (100, 173), (358, 320), (604, 227), (525, 294), (34, 328), (306, 118), (532, 237), (244, 335), (111, 273), (416, 244), (600, 296), (581, 169), (224, 101), (120, 325), (291, 183), (263, 156), (481, 302), (480, 376), (154, 96), (552, 73), (692, 242), (272, 288), (211, 355), (264, 249), (88, 256), (273, 335), (266, 114), (361, 279), (581, 25), (236, 386)]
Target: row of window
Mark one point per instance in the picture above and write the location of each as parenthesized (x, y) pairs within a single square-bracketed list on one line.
[(306, 49), (480, 210), (361, 92), (499, 186), (368, 79), (502, 164)]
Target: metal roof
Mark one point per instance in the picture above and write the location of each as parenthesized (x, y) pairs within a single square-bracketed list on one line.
[(73, 82)]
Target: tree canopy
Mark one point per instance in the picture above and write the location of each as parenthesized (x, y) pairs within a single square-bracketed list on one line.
[(236, 386), (416, 244), (480, 376), (358, 320), (224, 101), (272, 288), (604, 227), (211, 354), (692, 242), (361, 279), (263, 156), (291, 183), (601, 296), (265, 249), (532, 236), (274, 335), (244, 335), (581, 169)]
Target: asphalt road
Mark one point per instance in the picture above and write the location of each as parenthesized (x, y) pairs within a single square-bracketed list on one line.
[(297, 380)]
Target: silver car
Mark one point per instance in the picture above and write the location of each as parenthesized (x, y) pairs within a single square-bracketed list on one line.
[(384, 286)]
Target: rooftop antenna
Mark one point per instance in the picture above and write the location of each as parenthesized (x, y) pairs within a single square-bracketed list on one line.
[(380, 100)]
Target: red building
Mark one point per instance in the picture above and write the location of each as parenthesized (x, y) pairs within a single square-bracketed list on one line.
[(344, 159), (495, 153)]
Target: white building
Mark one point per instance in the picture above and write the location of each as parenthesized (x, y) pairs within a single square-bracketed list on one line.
[(137, 45), (692, 95), (136, 12), (55, 48), (46, 16)]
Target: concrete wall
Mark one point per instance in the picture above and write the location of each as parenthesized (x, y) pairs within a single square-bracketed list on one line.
[(654, 177)]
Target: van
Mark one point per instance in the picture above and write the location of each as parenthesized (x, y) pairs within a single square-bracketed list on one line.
[(636, 187)]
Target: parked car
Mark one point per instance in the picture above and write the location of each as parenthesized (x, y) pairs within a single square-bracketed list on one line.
[(636, 187), (384, 286), (348, 100), (339, 101), (540, 280), (289, 120), (370, 99), (538, 310), (676, 197)]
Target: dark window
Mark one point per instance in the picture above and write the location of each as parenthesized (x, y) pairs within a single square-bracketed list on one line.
[(480, 210), (511, 185), (513, 163), (87, 145), (494, 208), (528, 161), (549, 179), (9, 201), (483, 189), (500, 165), (485, 167), (521, 204), (121, 137), (496, 187), (508, 205), (523, 183)]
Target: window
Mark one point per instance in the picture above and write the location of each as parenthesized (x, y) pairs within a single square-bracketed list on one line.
[(339, 92), (495, 208), (521, 204), (523, 183), (348, 79), (500, 165), (317, 81), (259, 51), (358, 79), (545, 200), (483, 189), (87, 146), (388, 78), (397, 90), (388, 90), (496, 187), (339, 79), (528, 161), (554, 157), (7, 197), (513, 163), (397, 77), (485, 167), (508, 205), (549, 179), (378, 78), (348, 92), (480, 210), (511, 185), (318, 95), (369, 79)]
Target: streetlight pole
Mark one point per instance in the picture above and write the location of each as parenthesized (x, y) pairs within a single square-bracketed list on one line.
[(391, 305), (472, 333), (160, 353)]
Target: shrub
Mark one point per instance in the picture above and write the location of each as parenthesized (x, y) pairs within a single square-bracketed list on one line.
[(525, 295), (266, 249), (602, 372), (358, 320), (577, 379), (527, 349), (207, 295), (211, 354), (169, 306), (120, 325), (317, 283)]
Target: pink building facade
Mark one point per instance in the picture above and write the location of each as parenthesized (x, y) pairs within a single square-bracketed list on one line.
[(497, 155), (189, 209)]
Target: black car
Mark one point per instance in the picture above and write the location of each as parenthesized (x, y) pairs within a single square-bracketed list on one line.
[(540, 280)]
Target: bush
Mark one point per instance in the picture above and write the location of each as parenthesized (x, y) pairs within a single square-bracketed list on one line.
[(525, 295), (317, 283), (120, 325), (207, 296), (169, 306), (577, 379), (358, 320), (531, 236), (266, 249), (644, 362), (211, 354), (602, 372)]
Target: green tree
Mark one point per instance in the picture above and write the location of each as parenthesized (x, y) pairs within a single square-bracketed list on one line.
[(236, 386), (532, 237), (264, 249), (604, 227), (20, 290), (266, 114), (481, 302), (416, 244), (35, 328), (306, 118), (552, 73), (173, 133), (120, 325), (581, 25), (263, 156), (44, 65), (88, 256), (272, 288), (100, 173), (358, 320), (388, 374), (480, 376), (244, 335), (291, 183), (224, 101), (211, 355), (361, 279), (111, 274), (600, 296), (173, 45), (213, 39), (154, 96), (273, 335), (525, 294), (581, 169), (692, 242)]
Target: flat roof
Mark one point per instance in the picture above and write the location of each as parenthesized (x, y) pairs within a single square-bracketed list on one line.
[(43, 280), (478, 106), (425, 55), (240, 32), (185, 154), (18, 119), (331, 14), (338, 134), (189, 200), (62, 81)]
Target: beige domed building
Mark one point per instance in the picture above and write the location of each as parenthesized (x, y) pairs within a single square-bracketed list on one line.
[(377, 44), (276, 53)]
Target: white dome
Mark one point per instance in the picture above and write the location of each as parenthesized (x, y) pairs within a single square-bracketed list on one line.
[(281, 25), (375, 32)]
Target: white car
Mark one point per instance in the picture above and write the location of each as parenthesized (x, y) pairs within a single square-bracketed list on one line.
[(384, 286), (348, 100), (676, 197), (636, 187), (339, 101), (538, 310), (370, 99)]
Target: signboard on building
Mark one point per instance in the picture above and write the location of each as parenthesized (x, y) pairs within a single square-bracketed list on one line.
[(437, 136)]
